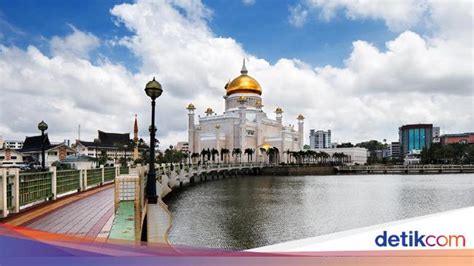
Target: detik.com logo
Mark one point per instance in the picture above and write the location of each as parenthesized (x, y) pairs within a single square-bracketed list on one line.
[(416, 239)]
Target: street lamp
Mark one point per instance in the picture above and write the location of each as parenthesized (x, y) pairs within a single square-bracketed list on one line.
[(153, 90), (125, 147), (43, 127)]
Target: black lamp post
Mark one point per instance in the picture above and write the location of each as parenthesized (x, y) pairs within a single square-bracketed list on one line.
[(43, 127), (153, 90)]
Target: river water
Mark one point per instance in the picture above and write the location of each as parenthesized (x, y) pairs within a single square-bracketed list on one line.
[(249, 212)]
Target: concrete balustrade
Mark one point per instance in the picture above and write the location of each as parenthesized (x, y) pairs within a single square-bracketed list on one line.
[(400, 169)]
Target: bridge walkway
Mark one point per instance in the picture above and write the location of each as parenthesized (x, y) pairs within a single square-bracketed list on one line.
[(88, 214)]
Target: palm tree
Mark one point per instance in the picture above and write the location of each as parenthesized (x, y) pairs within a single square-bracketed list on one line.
[(203, 155), (335, 157), (224, 154), (249, 153), (214, 152), (324, 156), (302, 156), (273, 155), (237, 152), (308, 155), (311, 155)]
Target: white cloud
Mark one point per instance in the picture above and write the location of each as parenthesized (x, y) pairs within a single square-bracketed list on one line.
[(77, 44), (298, 15), (248, 2), (398, 15), (415, 79)]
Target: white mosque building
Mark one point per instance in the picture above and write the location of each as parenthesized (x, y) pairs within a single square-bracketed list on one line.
[(244, 125)]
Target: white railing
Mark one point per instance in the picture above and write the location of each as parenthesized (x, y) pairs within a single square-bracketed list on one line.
[(21, 190)]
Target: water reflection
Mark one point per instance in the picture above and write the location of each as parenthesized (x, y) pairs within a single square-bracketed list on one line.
[(251, 212)]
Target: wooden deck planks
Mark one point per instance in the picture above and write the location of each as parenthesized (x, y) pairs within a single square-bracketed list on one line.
[(83, 217)]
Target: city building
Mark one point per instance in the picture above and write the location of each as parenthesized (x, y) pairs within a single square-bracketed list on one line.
[(13, 144), (182, 146), (11, 158), (436, 135), (414, 138), (80, 161), (356, 155), (32, 150), (465, 138), (395, 150), (67, 142), (319, 139), (113, 145), (244, 124)]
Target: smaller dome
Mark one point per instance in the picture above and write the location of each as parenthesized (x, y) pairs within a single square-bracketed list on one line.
[(300, 117), (279, 110), (209, 111), (191, 107)]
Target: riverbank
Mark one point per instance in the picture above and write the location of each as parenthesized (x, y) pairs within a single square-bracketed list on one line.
[(296, 170)]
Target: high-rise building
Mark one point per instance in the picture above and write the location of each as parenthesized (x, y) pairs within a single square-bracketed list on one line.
[(319, 139), (436, 134), (414, 138), (395, 150)]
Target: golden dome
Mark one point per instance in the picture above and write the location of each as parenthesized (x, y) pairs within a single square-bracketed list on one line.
[(279, 110), (191, 107), (300, 117), (243, 84)]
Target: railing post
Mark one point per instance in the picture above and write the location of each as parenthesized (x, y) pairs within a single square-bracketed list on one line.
[(16, 190), (103, 174), (3, 173), (54, 187), (84, 171), (80, 180)]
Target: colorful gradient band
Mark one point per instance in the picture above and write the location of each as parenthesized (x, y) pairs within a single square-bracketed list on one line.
[(23, 246)]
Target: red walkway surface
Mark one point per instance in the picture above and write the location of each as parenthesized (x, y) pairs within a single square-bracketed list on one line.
[(85, 217)]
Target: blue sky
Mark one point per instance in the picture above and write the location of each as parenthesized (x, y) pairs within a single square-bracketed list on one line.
[(262, 28)]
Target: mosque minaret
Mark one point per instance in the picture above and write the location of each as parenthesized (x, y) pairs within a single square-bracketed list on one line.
[(244, 124)]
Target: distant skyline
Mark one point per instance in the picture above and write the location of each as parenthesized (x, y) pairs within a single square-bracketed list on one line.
[(359, 69)]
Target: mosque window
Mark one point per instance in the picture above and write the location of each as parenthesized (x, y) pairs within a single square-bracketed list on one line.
[(250, 132)]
